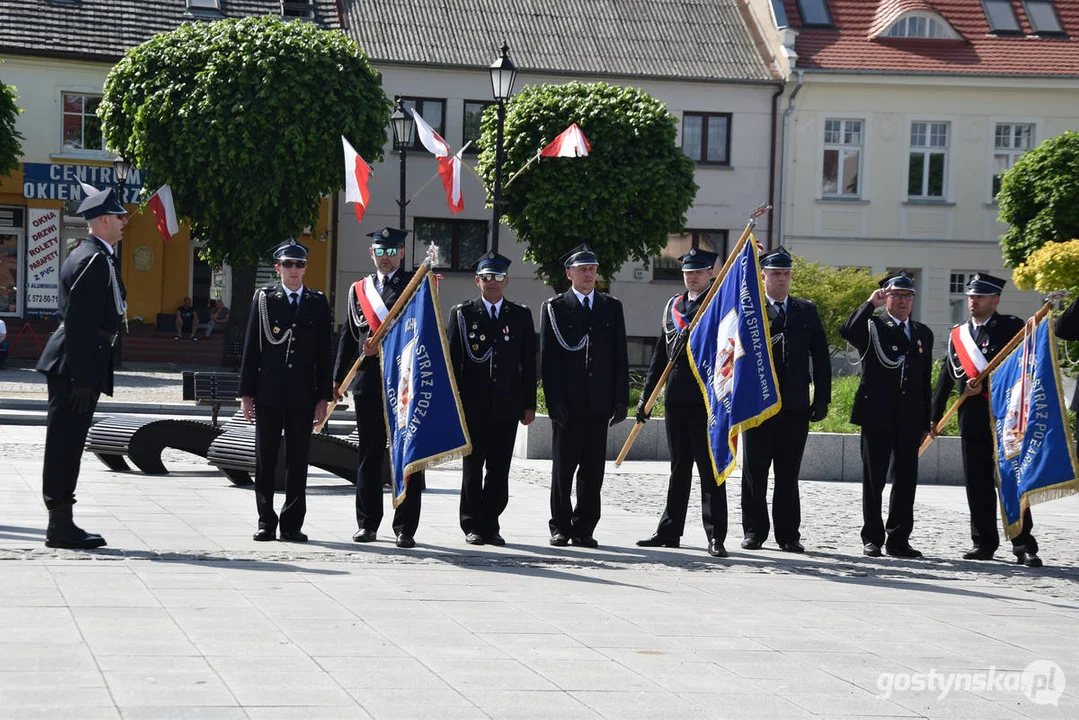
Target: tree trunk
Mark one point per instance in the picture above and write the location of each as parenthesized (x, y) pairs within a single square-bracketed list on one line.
[(243, 288)]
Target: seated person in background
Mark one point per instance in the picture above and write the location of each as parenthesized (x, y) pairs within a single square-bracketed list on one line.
[(3, 342), (186, 319), (219, 315)]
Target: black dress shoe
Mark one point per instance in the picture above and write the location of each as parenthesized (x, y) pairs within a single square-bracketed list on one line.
[(716, 549), (588, 542), (903, 551), (496, 540), (473, 539), (264, 535), (658, 540), (405, 541), (751, 544), (73, 538), (792, 547), (871, 550), (978, 553), (293, 536), (1029, 559), (559, 540), (363, 535)]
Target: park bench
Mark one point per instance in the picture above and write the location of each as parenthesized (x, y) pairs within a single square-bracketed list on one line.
[(215, 389)]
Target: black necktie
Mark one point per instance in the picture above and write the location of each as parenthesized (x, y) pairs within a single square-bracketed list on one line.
[(781, 314), (979, 334), (494, 313), (584, 302), (294, 300), (906, 328)]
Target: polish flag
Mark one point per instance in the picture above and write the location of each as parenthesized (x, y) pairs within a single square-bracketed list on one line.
[(430, 139), (450, 170), (165, 211), (357, 172), (571, 142)]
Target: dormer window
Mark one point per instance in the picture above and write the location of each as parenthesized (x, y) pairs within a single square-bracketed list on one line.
[(304, 9), (919, 25)]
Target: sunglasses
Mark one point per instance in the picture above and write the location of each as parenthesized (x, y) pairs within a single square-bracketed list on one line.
[(388, 252), (492, 277), (301, 264)]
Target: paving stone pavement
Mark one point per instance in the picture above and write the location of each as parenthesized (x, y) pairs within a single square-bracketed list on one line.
[(183, 616)]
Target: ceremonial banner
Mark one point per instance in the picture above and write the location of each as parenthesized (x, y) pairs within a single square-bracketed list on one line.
[(731, 354), (1035, 454), (424, 420)]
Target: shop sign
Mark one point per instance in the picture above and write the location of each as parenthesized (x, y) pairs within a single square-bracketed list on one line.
[(57, 181), (42, 261)]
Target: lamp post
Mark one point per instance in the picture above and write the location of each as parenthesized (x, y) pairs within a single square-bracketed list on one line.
[(402, 125), (503, 73), (122, 168)]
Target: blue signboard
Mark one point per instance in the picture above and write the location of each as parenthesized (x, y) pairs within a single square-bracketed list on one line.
[(58, 181)]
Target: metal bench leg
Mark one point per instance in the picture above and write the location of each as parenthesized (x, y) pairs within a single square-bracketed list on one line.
[(238, 477), (115, 463)]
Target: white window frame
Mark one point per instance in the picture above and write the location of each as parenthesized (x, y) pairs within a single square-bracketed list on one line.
[(844, 146), (1011, 152), (957, 299), (64, 151), (204, 5), (926, 26), (926, 148)]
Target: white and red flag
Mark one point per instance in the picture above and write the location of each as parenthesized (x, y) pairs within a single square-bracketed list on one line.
[(164, 210), (357, 172), (449, 165), (571, 142)]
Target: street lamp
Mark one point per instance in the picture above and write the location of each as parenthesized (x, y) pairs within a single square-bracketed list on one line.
[(503, 73), (402, 124), (122, 167)]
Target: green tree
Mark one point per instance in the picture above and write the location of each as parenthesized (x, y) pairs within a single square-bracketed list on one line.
[(624, 199), (1039, 198), (836, 292), (10, 146)]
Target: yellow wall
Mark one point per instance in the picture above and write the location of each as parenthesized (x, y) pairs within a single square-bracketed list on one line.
[(162, 286)]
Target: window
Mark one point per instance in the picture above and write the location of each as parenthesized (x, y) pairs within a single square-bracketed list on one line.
[(1001, 16), (204, 4), (957, 296), (1042, 16), (706, 137), (668, 267), (460, 242), (471, 124), (298, 9), (779, 13), (1011, 141), (842, 158), (920, 26), (432, 111), (82, 128), (815, 12), (928, 160)]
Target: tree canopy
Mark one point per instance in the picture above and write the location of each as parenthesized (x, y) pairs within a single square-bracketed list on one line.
[(1052, 267), (243, 118), (836, 292), (1039, 198), (624, 199), (10, 145)]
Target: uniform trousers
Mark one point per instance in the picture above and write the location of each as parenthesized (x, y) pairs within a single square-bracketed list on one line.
[(687, 438), (889, 454), (371, 425), (484, 498), (64, 440), (982, 499), (296, 424), (778, 442), (581, 448)]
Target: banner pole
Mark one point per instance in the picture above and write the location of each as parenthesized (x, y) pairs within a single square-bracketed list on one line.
[(398, 307), (990, 367), (654, 397)]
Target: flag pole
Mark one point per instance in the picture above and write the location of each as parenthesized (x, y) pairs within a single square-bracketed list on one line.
[(398, 307), (531, 160), (760, 210), (1051, 300)]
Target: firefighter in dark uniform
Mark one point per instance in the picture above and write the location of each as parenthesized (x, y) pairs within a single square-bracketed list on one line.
[(493, 351), (585, 369), (1067, 328), (77, 360), (892, 408), (797, 338), (286, 386), (686, 416), (986, 333), (376, 294)]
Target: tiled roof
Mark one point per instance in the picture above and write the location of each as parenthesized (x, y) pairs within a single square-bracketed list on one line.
[(850, 46), (106, 28), (686, 39)]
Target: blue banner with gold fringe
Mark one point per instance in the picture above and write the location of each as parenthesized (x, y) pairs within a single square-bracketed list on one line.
[(1035, 455), (731, 355), (424, 421)]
